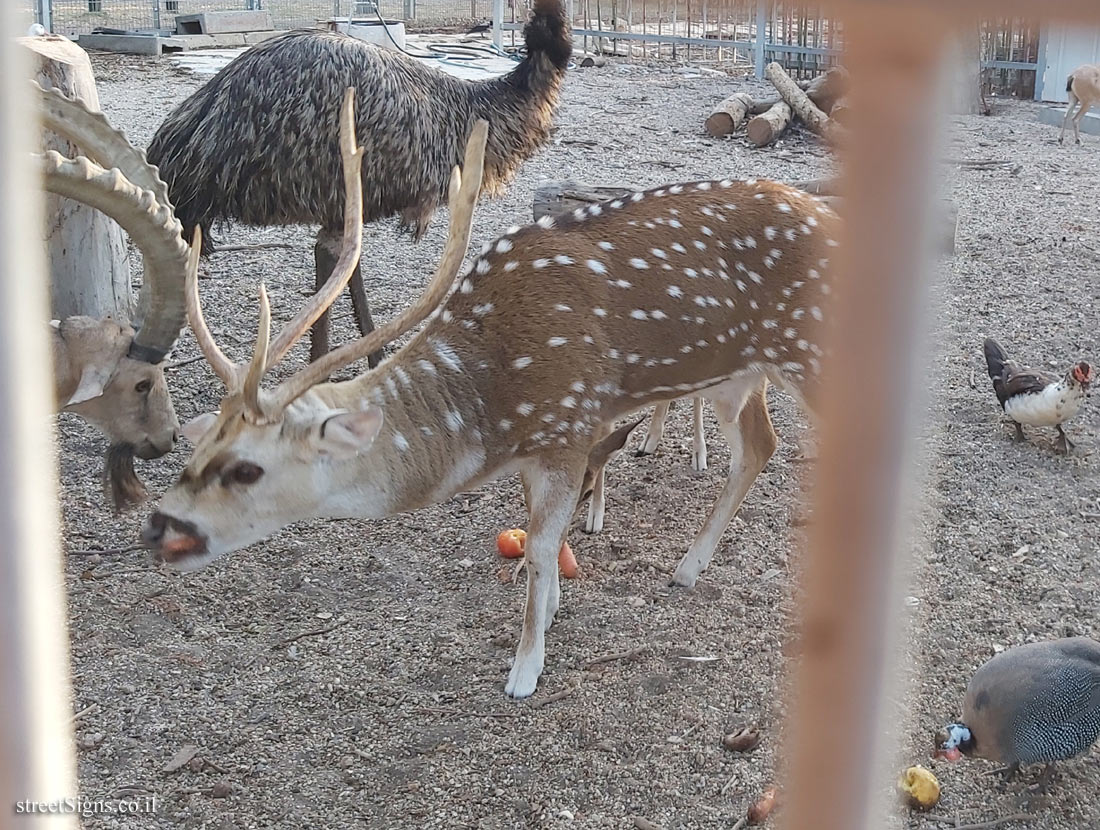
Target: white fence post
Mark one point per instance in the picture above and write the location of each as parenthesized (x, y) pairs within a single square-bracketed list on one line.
[(498, 21), (36, 746), (760, 41), (45, 14)]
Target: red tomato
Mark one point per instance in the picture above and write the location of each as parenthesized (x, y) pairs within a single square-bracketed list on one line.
[(510, 543)]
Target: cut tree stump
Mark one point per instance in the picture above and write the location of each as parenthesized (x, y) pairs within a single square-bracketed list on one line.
[(728, 115), (86, 251), (768, 126), (811, 115), (553, 197)]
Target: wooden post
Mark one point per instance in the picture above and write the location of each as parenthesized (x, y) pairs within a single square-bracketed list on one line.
[(867, 411), (728, 115), (86, 251), (36, 733), (768, 126)]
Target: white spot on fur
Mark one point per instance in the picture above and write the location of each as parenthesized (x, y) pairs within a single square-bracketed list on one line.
[(466, 287), (525, 409), (504, 246), (605, 245), (546, 222), (511, 265), (562, 259), (638, 263), (452, 418), (554, 342), (522, 362), (426, 366), (569, 402), (401, 442), (599, 312), (482, 309), (540, 263)]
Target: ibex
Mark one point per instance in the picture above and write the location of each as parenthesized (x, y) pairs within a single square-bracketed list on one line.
[(1083, 86), (104, 370), (553, 333)]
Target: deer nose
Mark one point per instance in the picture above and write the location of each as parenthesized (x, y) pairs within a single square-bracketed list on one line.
[(173, 541), (154, 529)]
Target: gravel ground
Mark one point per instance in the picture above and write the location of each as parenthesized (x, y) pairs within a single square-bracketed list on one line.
[(390, 712)]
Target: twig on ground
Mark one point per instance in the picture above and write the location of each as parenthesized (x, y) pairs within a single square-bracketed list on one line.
[(187, 361), (741, 822), (438, 710), (105, 551), (257, 246), (728, 784), (87, 710), (316, 632), (561, 694), (618, 655), (983, 825)]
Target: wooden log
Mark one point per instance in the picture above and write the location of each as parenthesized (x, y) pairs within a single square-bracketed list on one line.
[(593, 60), (768, 126), (87, 253), (824, 90), (553, 197), (728, 115), (804, 108)]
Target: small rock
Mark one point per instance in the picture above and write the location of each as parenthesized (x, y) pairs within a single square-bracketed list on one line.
[(221, 789), (746, 740), (466, 563), (323, 615)]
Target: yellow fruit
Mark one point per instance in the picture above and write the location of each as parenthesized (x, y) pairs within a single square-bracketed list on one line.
[(920, 788)]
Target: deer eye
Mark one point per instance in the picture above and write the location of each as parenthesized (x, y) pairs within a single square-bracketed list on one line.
[(143, 387), (244, 472)]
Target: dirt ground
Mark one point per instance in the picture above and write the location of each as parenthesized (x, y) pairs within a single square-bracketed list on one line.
[(388, 709)]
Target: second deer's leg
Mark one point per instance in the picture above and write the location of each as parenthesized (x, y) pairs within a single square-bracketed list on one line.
[(596, 507), (551, 494), (1069, 115), (699, 439), (742, 411), (656, 429), (1085, 106)]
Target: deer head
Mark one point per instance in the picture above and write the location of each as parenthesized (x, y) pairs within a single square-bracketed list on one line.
[(260, 461)]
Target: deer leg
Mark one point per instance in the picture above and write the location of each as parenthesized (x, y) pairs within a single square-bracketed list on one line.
[(656, 429), (742, 410), (551, 494), (1069, 115), (361, 309), (699, 440), (596, 505), (1078, 118)]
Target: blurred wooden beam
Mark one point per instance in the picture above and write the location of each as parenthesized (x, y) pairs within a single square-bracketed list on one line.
[(894, 55), (36, 753)]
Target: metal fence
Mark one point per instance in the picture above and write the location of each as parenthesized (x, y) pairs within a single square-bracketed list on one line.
[(719, 32)]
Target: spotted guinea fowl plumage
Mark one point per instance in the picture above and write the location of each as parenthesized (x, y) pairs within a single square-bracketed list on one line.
[(1036, 703)]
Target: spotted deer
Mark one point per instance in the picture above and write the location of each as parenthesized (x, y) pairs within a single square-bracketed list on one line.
[(528, 358), (597, 506)]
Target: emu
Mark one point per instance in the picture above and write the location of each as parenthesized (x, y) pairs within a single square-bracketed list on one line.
[(258, 144), (1083, 86)]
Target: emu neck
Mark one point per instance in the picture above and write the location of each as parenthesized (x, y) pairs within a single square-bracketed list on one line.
[(432, 441)]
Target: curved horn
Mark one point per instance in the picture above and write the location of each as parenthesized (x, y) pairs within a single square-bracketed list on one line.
[(256, 369), (223, 367), (462, 198), (162, 303), (108, 147), (152, 226), (351, 246)]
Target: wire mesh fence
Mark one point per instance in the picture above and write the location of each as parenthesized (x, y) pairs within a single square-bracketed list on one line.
[(716, 32)]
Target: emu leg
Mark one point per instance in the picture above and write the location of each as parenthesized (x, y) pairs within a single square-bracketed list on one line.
[(362, 312), (326, 251)]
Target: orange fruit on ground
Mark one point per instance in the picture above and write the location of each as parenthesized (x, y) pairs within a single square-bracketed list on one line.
[(567, 562), (510, 543)]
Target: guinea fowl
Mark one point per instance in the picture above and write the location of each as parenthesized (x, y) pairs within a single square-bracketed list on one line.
[(1036, 398), (1036, 703)]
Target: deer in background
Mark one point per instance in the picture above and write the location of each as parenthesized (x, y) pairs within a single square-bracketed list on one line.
[(551, 335), (105, 371), (1083, 86)]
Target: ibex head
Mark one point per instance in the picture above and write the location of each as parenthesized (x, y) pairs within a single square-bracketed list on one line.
[(106, 371), (267, 456)]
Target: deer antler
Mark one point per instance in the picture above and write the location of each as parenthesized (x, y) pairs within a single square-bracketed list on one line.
[(352, 243), (223, 367), (247, 381), (462, 197)]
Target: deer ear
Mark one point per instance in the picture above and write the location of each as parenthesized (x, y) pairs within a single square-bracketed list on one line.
[(92, 382), (197, 427), (351, 432)]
